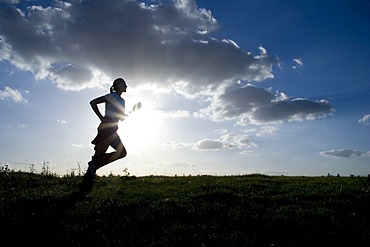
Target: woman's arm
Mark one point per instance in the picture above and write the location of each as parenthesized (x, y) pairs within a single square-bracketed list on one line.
[(94, 105), (136, 107)]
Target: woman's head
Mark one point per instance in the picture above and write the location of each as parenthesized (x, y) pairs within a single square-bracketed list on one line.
[(119, 86)]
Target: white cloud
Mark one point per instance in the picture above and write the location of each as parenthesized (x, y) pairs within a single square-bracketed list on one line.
[(237, 140), (209, 144), (84, 44), (227, 141), (343, 153), (12, 94), (176, 145), (249, 152), (251, 105), (267, 130), (297, 63), (365, 119), (78, 145), (262, 50), (61, 121), (175, 114)]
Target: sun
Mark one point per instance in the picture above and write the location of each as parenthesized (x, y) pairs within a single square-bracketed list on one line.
[(140, 130)]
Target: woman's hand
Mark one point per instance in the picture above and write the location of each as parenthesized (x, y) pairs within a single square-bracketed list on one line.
[(137, 106)]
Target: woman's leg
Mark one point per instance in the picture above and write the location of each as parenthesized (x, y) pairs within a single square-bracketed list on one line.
[(94, 164), (101, 158)]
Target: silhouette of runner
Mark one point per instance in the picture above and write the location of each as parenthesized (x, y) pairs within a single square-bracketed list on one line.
[(107, 130)]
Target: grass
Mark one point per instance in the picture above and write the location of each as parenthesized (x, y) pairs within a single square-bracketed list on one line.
[(252, 210)]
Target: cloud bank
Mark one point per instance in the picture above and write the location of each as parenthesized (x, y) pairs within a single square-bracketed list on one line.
[(226, 141), (249, 104), (84, 44), (342, 153), (166, 45)]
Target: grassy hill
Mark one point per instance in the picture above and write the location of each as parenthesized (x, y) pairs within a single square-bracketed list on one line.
[(252, 210)]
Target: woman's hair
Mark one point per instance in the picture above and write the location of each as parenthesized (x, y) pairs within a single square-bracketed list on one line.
[(115, 83)]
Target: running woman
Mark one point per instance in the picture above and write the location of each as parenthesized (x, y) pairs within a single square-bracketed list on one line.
[(107, 130)]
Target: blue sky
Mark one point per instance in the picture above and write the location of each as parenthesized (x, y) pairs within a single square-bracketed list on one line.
[(228, 87)]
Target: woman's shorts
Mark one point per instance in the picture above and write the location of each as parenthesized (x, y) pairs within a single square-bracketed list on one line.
[(107, 134)]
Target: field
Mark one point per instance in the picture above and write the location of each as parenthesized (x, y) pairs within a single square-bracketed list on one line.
[(251, 210)]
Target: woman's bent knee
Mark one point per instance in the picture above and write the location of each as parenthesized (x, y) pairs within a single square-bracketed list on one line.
[(122, 153)]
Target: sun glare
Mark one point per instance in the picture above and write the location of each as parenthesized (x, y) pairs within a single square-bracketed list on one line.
[(140, 131)]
